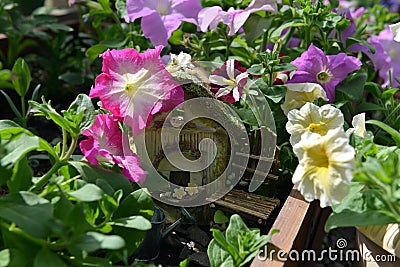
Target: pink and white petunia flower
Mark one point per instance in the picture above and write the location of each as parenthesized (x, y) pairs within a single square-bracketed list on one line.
[(228, 81), (134, 86), (104, 144)]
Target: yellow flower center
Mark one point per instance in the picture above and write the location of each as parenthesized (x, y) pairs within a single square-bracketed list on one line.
[(323, 77), (134, 81), (319, 128), (317, 165)]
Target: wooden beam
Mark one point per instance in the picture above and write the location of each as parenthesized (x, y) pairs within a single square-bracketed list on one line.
[(296, 220)]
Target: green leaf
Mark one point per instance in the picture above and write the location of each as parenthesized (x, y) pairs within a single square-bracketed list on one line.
[(12, 106), (176, 37), (394, 133), (255, 26), (81, 114), (56, 27), (5, 75), (114, 43), (389, 93), (45, 109), (22, 251), (88, 193), (276, 93), (184, 263), (284, 67), (46, 257), (360, 208), (17, 147), (236, 225), (20, 208), (72, 78), (135, 222), (247, 116), (92, 262), (21, 178), (354, 87), (239, 246), (4, 257), (93, 52), (218, 256), (366, 106), (9, 129), (374, 89), (220, 217), (138, 202), (293, 23), (72, 216), (120, 6), (256, 69), (92, 241), (109, 204), (108, 181), (21, 77), (229, 247)]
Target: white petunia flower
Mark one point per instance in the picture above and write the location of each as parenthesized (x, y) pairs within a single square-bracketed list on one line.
[(179, 193), (311, 118), (178, 62), (359, 126), (325, 166), (298, 94), (395, 29)]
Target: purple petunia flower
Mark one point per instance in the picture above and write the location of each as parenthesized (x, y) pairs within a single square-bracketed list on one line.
[(313, 66), (209, 17), (392, 5), (104, 144), (161, 17), (385, 58)]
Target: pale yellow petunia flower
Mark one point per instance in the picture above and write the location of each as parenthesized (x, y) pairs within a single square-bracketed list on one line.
[(326, 163), (298, 94), (312, 118)]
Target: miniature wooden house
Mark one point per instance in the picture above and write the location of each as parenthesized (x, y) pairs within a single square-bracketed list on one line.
[(189, 141)]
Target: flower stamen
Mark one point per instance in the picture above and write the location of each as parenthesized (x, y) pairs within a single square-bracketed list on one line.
[(323, 77)]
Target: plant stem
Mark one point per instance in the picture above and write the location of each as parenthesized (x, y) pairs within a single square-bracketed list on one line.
[(23, 112), (70, 150), (64, 159), (21, 233), (228, 44), (264, 42), (47, 176), (64, 144)]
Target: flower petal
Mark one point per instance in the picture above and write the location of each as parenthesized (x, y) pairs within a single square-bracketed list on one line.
[(153, 28), (262, 5), (138, 9), (209, 17)]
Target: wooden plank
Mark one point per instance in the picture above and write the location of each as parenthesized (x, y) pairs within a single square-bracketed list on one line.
[(239, 208), (250, 170), (252, 204), (289, 221)]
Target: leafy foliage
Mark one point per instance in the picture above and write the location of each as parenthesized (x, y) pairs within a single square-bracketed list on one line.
[(237, 245)]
